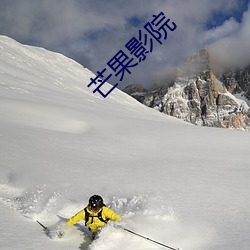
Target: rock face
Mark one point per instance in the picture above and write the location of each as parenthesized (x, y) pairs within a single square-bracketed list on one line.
[(136, 90), (201, 97), (237, 81)]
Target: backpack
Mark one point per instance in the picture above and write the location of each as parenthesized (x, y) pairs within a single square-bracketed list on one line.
[(88, 216)]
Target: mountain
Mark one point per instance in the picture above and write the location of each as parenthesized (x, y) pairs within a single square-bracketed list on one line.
[(201, 96), (182, 185), (237, 81)]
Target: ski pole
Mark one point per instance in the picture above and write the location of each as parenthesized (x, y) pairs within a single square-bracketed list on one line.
[(146, 238), (45, 228)]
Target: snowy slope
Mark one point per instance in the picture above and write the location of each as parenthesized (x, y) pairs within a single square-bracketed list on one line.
[(179, 184)]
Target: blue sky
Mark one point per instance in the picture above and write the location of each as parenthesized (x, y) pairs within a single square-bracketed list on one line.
[(218, 17), (93, 31)]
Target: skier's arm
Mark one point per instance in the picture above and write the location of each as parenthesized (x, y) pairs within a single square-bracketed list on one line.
[(110, 214), (77, 217)]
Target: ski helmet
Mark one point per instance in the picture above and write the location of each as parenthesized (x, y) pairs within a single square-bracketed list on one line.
[(95, 202)]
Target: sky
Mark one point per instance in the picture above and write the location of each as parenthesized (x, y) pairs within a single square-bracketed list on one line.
[(92, 32)]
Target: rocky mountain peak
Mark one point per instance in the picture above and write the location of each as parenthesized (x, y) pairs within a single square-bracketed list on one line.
[(202, 97), (197, 64)]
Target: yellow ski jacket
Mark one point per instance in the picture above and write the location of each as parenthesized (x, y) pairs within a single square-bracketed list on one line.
[(94, 223)]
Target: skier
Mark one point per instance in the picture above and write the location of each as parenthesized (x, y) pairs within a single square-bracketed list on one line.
[(95, 214)]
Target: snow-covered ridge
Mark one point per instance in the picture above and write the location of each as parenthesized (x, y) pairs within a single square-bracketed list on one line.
[(33, 74), (35, 66)]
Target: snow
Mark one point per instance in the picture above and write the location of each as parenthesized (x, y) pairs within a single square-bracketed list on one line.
[(242, 99), (182, 185)]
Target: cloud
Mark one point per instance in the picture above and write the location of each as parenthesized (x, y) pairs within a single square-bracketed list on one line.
[(229, 27), (93, 31), (233, 49)]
